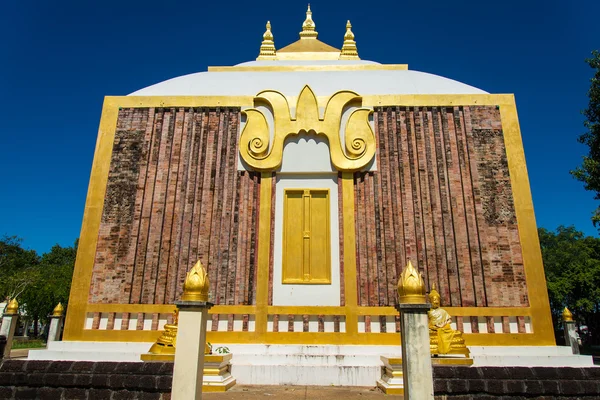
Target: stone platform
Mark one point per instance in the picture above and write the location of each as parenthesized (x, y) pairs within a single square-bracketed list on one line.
[(327, 365), (128, 380)]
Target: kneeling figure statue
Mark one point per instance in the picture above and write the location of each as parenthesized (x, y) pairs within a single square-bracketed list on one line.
[(442, 338)]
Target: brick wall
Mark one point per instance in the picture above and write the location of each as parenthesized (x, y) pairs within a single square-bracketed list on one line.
[(442, 198), (174, 196)]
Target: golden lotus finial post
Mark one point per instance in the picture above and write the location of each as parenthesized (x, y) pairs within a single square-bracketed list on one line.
[(267, 47), (9, 324), (411, 287), (416, 354), (572, 339), (56, 321), (193, 307), (308, 27), (349, 50)]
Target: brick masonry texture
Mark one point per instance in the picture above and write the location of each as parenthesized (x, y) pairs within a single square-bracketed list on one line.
[(174, 196), (126, 380), (442, 198)]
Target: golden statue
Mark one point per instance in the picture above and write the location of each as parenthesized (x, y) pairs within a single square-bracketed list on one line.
[(165, 344), (442, 338)]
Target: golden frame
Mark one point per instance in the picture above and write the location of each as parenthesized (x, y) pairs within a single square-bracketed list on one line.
[(538, 310)]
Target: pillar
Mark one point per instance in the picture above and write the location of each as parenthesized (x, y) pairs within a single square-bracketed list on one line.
[(191, 336), (416, 355), (9, 324), (569, 331), (56, 322)]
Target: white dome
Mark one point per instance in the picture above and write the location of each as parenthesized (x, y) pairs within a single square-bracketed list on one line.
[(324, 82)]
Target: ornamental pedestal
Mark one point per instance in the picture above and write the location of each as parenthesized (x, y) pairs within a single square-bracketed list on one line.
[(571, 337), (9, 324)]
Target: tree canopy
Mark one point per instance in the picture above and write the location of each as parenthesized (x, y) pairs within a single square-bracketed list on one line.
[(572, 266), (589, 171), (38, 282)]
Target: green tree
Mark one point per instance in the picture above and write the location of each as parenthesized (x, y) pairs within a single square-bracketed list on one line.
[(16, 267), (589, 171), (50, 283), (572, 266)]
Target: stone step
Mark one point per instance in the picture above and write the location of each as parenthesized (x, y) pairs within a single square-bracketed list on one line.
[(249, 374), (307, 360), (532, 361)]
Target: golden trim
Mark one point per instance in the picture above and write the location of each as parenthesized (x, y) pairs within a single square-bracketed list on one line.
[(264, 252), (82, 274), (311, 68), (308, 310), (177, 101), (539, 306), (351, 297), (530, 245), (438, 100), (164, 309)]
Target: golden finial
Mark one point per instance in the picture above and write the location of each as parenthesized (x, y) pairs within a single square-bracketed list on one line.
[(267, 47), (58, 310), (567, 316), (195, 287), (308, 27), (411, 287), (12, 307), (349, 50)]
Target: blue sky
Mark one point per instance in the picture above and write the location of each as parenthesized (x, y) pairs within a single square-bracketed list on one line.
[(59, 59)]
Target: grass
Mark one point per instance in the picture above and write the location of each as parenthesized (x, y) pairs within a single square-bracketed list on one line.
[(28, 344)]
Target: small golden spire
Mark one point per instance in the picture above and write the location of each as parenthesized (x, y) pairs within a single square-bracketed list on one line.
[(349, 50), (567, 316), (267, 47), (12, 307), (58, 310), (308, 27), (411, 287), (195, 287)]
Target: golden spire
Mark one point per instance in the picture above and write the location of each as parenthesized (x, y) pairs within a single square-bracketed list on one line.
[(195, 287), (267, 47), (308, 27), (349, 50), (567, 316), (58, 310), (12, 307), (411, 287)]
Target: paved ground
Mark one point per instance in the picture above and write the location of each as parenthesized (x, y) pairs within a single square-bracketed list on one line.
[(239, 392)]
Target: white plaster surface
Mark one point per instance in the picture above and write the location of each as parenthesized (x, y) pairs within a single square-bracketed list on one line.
[(323, 83), (306, 295)]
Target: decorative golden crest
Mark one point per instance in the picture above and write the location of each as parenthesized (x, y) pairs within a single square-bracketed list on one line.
[(257, 151), (195, 287), (411, 287), (567, 316), (58, 310), (12, 307)]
